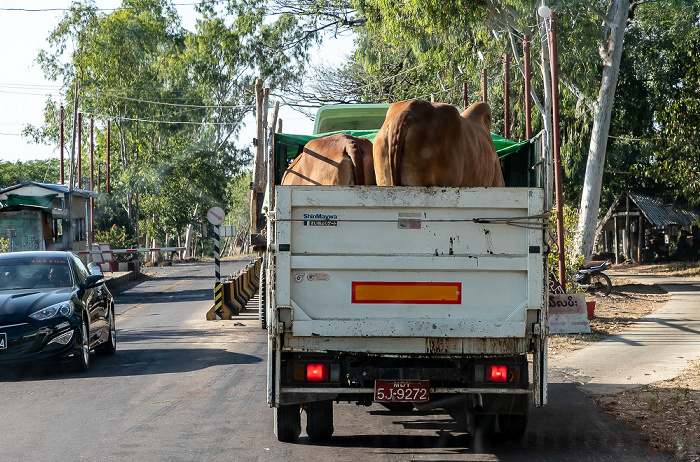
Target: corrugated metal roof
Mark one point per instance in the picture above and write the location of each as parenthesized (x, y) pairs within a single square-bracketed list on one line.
[(61, 188), (660, 214)]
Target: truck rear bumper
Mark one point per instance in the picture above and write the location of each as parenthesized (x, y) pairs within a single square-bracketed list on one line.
[(352, 377)]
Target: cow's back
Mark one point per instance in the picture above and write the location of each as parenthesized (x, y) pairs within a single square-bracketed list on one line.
[(412, 147)]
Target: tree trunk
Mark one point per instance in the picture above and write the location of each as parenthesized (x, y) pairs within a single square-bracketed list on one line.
[(188, 235), (611, 53)]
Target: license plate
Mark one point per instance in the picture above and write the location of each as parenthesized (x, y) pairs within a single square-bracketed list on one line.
[(3, 340), (401, 391)]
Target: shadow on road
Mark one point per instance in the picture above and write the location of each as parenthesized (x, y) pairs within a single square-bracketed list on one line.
[(188, 295), (131, 362)]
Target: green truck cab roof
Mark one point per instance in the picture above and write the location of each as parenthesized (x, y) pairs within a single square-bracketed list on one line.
[(350, 117)]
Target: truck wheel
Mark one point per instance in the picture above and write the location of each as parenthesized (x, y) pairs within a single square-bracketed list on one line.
[(262, 298), (319, 420), (288, 423), (512, 425)]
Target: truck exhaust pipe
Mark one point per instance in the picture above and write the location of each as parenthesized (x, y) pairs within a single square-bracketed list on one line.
[(478, 402)]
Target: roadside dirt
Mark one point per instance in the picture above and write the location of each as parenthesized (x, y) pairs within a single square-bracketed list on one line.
[(667, 412)]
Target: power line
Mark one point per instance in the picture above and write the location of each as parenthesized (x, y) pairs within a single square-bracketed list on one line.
[(167, 122), (177, 104), (43, 10)]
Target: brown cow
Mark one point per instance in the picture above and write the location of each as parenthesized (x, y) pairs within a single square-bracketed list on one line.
[(431, 144), (338, 159)]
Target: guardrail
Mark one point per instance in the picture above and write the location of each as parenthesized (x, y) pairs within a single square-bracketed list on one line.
[(103, 255), (147, 249), (238, 289)]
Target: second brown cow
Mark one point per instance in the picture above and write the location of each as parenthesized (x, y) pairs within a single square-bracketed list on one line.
[(338, 159)]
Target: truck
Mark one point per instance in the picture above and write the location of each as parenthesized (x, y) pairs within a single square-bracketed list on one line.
[(427, 298)]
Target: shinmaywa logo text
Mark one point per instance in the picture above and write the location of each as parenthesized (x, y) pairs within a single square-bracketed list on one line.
[(319, 216), (319, 219)]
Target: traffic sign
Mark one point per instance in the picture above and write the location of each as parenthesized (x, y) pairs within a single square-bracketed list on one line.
[(216, 215)]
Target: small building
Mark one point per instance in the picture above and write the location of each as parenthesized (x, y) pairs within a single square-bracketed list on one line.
[(35, 214), (643, 229)]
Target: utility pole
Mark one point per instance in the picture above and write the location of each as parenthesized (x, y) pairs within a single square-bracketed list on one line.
[(68, 234), (61, 143), (91, 220)]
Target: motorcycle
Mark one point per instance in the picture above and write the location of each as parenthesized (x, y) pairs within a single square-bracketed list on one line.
[(591, 278)]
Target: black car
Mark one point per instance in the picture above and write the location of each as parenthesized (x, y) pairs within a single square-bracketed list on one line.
[(52, 307)]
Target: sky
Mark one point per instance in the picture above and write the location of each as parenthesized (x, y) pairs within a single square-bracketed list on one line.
[(24, 27)]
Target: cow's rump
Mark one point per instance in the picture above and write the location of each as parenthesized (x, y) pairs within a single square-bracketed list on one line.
[(432, 144), (338, 159)]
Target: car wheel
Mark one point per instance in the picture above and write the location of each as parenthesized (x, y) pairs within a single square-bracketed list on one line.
[(110, 346), (81, 359)]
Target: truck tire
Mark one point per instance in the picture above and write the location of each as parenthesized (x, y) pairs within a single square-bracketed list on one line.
[(481, 425), (319, 420), (288, 423), (512, 425), (262, 297)]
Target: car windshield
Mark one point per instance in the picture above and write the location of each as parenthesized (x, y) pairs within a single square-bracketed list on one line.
[(34, 273)]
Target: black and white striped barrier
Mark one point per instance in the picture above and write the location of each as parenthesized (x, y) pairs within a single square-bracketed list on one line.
[(236, 291)]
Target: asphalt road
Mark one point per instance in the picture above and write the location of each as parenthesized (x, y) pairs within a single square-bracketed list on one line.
[(181, 388)]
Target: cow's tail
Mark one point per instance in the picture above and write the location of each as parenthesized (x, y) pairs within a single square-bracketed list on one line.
[(355, 153), (396, 139)]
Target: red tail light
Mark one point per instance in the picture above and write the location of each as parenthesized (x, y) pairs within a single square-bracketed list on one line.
[(317, 372), (499, 374)]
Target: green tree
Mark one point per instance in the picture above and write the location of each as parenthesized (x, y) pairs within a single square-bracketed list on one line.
[(672, 76), (42, 171), (176, 99), (414, 49)]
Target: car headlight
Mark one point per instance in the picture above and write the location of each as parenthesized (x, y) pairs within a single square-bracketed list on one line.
[(59, 309)]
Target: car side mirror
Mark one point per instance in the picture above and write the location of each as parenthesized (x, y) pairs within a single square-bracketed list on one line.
[(93, 280)]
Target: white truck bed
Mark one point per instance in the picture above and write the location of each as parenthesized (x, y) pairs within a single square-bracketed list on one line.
[(418, 270)]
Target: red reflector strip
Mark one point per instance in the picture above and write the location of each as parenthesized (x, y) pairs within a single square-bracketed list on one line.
[(439, 293), (499, 374), (317, 372)]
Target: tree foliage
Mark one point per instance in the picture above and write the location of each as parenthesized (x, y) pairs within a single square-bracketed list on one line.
[(415, 49), (43, 171), (176, 99)]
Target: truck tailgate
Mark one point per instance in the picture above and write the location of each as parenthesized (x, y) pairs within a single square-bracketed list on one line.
[(408, 261)]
